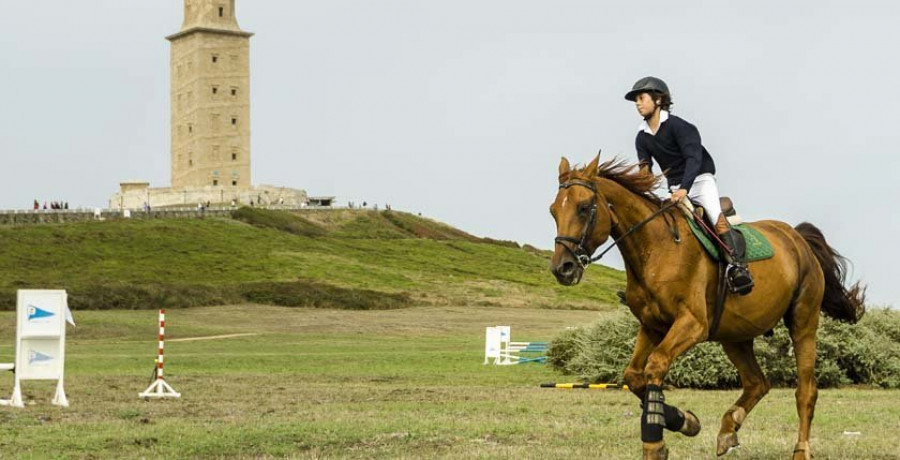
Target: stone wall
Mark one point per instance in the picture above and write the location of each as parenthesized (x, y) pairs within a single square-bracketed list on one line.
[(266, 195), (29, 217), (60, 217)]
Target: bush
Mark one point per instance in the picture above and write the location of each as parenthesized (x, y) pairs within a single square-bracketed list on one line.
[(316, 295), (300, 293), (122, 296), (866, 353)]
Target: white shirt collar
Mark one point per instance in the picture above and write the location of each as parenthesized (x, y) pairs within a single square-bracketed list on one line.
[(645, 127)]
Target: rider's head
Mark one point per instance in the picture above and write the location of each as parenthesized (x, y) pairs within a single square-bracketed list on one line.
[(650, 94)]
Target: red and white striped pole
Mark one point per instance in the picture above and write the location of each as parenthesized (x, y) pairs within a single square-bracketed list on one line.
[(162, 341), (159, 388)]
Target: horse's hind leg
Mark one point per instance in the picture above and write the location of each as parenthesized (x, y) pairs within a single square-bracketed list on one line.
[(804, 320), (755, 387)]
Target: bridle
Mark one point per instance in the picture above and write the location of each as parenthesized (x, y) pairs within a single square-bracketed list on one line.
[(581, 253)]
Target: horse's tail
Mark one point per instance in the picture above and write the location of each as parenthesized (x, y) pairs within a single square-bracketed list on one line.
[(840, 303)]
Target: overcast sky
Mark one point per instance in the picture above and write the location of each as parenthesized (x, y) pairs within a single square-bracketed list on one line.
[(461, 110)]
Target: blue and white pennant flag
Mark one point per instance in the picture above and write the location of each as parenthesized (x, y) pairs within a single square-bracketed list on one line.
[(35, 312)]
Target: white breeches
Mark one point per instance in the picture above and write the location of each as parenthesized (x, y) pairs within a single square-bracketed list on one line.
[(706, 192)]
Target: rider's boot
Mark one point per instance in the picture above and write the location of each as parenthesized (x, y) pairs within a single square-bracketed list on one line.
[(739, 278)]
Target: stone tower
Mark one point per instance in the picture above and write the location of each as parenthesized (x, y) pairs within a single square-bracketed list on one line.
[(210, 132), (210, 91)]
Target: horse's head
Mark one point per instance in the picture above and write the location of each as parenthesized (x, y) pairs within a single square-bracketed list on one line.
[(583, 221)]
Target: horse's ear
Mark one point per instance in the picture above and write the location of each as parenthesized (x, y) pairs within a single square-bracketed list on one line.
[(591, 168), (564, 169)]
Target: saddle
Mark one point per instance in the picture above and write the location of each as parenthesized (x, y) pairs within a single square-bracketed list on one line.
[(756, 246), (694, 209)]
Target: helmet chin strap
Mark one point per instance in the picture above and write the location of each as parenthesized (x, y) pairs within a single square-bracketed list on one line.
[(656, 109)]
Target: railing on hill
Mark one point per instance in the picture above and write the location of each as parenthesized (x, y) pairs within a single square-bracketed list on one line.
[(40, 216)]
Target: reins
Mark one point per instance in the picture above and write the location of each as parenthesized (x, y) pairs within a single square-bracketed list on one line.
[(581, 253)]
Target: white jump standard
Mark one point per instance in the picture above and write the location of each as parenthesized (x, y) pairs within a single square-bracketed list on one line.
[(499, 347), (41, 317), (160, 388)]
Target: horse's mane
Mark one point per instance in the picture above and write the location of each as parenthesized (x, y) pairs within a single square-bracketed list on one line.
[(626, 174)]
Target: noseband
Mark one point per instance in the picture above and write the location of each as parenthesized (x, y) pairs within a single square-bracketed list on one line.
[(581, 253)]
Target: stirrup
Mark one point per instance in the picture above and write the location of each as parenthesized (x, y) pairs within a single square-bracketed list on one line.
[(739, 279)]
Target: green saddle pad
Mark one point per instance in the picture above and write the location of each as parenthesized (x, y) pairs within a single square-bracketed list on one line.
[(758, 247)]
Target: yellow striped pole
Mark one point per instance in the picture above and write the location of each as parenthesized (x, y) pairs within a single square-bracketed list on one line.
[(587, 386)]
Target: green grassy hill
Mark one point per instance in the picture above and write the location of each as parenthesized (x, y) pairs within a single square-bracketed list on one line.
[(355, 259)]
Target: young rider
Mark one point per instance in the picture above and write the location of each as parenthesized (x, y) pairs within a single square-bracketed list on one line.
[(687, 165)]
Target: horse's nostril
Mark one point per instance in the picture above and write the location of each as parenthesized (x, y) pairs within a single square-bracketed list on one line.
[(567, 268)]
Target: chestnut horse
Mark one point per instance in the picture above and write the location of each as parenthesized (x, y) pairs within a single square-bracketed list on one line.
[(672, 286)]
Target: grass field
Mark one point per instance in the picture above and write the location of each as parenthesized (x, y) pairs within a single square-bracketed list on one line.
[(409, 383), (330, 257)]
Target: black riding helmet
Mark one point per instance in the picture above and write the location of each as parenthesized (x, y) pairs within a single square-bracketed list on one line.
[(647, 84)]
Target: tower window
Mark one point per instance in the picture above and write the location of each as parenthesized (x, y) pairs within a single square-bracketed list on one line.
[(234, 91), (234, 182), (233, 121), (221, 12), (215, 58), (234, 157), (215, 181), (215, 90), (190, 128)]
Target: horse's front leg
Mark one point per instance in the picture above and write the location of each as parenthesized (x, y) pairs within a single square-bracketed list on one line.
[(644, 343), (685, 332)]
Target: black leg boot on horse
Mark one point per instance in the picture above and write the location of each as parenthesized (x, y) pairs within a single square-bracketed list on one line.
[(658, 415), (735, 254)]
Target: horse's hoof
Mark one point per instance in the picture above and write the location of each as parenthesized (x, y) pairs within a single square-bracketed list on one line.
[(656, 451), (725, 442), (801, 451), (691, 425)]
